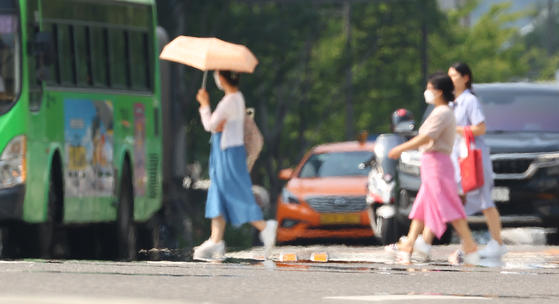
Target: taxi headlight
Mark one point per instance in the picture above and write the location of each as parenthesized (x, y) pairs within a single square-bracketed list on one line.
[(13, 163), (288, 197), (410, 162)]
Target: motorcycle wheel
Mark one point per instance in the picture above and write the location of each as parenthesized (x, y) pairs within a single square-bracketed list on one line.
[(386, 230)]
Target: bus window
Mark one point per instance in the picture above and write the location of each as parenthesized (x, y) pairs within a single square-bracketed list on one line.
[(66, 54), (34, 84), (139, 60), (98, 47), (54, 69), (119, 67), (9, 60), (83, 55)]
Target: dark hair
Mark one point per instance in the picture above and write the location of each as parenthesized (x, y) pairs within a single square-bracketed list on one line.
[(232, 78), (441, 81), (464, 70)]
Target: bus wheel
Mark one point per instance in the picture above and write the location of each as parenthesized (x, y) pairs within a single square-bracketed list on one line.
[(9, 245), (126, 230), (37, 239)]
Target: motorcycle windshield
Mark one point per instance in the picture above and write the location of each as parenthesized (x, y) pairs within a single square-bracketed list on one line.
[(383, 145)]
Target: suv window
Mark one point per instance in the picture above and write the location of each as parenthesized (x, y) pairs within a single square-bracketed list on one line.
[(521, 110), (517, 110)]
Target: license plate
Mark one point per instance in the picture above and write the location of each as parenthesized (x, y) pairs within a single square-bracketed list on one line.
[(500, 194), (337, 219)]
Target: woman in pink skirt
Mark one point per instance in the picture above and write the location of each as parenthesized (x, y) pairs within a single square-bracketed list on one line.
[(437, 202)]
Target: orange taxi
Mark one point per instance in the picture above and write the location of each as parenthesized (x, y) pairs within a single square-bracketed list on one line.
[(325, 195)]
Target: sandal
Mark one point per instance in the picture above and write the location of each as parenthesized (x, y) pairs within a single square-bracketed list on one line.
[(401, 257)]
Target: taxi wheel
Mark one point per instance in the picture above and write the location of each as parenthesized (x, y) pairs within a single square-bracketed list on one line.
[(385, 229)]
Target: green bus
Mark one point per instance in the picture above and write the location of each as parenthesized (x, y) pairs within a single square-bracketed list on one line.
[(80, 121)]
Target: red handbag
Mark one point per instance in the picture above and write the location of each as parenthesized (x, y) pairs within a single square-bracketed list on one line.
[(471, 166)]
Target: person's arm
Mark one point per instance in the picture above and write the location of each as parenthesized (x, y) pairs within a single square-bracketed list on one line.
[(412, 144), (477, 130), (213, 122), (476, 117)]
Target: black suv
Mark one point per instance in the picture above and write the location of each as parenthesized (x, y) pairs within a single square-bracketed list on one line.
[(523, 137)]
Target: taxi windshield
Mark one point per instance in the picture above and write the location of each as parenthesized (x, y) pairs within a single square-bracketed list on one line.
[(335, 164), (10, 51)]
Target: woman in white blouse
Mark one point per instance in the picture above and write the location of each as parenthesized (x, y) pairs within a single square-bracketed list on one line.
[(230, 198)]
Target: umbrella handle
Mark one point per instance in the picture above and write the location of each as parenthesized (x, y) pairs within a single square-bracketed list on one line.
[(204, 80)]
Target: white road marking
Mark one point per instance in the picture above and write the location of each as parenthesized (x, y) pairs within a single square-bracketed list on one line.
[(83, 300), (379, 298)]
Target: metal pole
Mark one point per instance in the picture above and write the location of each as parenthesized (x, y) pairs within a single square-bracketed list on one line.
[(424, 42), (350, 123)]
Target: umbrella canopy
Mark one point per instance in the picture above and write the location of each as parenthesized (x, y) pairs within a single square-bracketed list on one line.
[(210, 54)]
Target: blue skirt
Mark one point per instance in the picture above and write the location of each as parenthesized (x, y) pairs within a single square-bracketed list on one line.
[(230, 193)]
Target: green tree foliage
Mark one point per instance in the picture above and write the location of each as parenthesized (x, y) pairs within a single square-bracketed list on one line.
[(299, 89), (489, 46)]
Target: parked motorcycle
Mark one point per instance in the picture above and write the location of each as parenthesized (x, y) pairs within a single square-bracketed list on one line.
[(382, 187)]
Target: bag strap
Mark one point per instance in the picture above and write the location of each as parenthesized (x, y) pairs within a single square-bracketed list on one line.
[(469, 136)]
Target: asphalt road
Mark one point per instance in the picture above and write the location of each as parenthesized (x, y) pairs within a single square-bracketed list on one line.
[(527, 274)]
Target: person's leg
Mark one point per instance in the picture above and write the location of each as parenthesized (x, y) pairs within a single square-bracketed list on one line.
[(463, 230), (493, 219), (415, 229), (267, 233), (218, 229), (428, 236), (260, 225)]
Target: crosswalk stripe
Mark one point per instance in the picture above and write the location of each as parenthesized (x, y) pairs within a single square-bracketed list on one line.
[(379, 298)]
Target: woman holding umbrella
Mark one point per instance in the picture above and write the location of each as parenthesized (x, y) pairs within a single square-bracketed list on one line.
[(230, 197)]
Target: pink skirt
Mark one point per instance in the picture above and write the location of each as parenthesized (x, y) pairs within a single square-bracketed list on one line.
[(437, 201)]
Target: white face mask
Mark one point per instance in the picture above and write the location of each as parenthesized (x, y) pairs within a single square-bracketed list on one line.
[(429, 97), (217, 82)]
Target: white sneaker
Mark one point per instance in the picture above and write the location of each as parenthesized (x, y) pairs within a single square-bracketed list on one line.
[(459, 258), (400, 256), (422, 249), (268, 235), (493, 250), (210, 251)]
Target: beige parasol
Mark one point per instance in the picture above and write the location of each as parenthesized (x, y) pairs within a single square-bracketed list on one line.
[(210, 54)]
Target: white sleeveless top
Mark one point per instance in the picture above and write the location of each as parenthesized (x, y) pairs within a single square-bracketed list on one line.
[(231, 108)]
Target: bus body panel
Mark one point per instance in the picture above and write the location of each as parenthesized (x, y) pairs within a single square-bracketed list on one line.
[(90, 187)]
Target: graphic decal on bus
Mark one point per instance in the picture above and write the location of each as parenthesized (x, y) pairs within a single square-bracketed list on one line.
[(140, 176), (88, 147)]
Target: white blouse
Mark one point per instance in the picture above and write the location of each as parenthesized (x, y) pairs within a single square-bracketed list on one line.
[(231, 109)]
